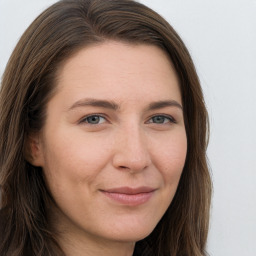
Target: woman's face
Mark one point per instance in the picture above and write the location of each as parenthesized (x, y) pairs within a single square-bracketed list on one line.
[(114, 143)]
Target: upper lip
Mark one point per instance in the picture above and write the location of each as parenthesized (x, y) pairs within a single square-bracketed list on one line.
[(129, 190)]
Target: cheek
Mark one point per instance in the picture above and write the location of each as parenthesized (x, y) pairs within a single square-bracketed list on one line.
[(171, 156), (73, 159)]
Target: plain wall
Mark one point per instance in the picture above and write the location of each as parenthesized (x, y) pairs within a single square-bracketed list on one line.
[(221, 37)]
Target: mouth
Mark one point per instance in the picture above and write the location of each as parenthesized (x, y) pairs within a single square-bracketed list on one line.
[(129, 196)]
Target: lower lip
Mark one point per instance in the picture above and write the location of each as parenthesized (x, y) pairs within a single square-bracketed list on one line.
[(129, 199)]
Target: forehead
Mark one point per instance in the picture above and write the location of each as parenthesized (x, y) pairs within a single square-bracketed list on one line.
[(119, 71)]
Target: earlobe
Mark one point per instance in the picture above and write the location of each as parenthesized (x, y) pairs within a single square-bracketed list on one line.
[(33, 150)]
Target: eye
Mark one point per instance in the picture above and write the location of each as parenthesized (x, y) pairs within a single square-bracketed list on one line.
[(162, 119), (93, 119)]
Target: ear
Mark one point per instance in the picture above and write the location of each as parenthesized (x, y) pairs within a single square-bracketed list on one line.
[(34, 150)]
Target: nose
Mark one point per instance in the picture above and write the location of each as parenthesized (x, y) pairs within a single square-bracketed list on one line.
[(132, 152)]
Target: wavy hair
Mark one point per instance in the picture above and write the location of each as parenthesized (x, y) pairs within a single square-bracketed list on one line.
[(29, 82)]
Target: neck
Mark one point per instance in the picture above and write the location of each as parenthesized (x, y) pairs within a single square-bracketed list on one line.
[(72, 244)]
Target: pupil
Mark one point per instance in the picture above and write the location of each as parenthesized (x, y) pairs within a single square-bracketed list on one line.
[(93, 119), (158, 119)]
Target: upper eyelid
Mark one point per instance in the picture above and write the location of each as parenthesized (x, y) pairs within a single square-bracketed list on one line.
[(149, 118), (164, 115)]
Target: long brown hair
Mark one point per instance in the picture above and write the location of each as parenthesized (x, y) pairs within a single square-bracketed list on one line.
[(28, 84)]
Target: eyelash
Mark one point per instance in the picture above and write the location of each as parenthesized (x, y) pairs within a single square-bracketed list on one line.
[(166, 117)]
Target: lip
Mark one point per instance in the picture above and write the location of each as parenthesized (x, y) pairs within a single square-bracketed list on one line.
[(129, 196)]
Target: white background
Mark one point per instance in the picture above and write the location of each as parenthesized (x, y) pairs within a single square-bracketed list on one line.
[(221, 37)]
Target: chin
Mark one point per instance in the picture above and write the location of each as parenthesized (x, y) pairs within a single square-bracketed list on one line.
[(132, 234)]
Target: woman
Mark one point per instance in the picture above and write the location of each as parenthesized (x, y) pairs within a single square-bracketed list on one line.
[(103, 136)]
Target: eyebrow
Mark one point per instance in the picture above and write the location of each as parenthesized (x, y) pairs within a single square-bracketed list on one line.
[(113, 106), (95, 103), (164, 104)]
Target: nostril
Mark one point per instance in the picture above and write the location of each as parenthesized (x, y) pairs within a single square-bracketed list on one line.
[(123, 167)]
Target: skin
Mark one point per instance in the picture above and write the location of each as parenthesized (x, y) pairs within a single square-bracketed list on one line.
[(130, 144)]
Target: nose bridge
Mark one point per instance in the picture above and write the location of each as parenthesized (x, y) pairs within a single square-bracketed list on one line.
[(132, 151)]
